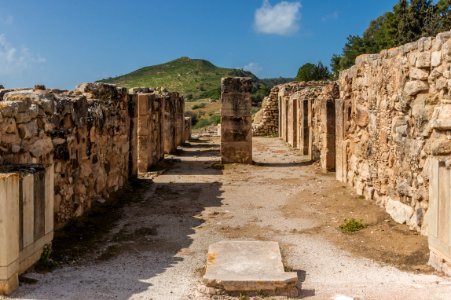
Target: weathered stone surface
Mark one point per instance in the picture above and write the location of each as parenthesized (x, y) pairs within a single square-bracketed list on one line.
[(236, 120), (414, 87), (407, 97), (247, 266), (436, 58), (92, 143), (306, 118), (266, 120), (419, 74), (400, 212)]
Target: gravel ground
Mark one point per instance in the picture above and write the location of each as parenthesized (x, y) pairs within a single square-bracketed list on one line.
[(157, 249)]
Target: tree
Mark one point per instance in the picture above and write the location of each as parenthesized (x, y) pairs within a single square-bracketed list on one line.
[(354, 46), (312, 72), (409, 21)]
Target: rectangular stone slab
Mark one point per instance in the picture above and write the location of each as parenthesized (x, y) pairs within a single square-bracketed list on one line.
[(247, 266)]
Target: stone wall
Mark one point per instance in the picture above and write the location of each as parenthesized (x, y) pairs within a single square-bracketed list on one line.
[(307, 119), (391, 122), (90, 136), (266, 121)]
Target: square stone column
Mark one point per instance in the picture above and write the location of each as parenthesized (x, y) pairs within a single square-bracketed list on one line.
[(9, 232), (236, 120)]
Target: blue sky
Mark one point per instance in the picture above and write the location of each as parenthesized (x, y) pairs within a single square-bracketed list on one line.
[(63, 43)]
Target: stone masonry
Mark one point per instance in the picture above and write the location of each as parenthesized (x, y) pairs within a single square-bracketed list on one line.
[(388, 121), (89, 141), (393, 131), (91, 135), (236, 120), (266, 121), (305, 114)]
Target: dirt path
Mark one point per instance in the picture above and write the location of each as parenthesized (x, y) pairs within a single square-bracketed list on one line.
[(157, 247)]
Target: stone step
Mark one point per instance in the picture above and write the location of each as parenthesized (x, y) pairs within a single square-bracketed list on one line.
[(247, 266)]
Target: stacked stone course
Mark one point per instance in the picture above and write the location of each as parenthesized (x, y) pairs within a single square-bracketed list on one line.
[(87, 144), (390, 109), (90, 136), (300, 110), (236, 120), (392, 127), (266, 121)]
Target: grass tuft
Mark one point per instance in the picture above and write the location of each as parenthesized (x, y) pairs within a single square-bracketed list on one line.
[(352, 225), (45, 262)]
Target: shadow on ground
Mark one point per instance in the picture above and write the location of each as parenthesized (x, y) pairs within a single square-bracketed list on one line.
[(143, 231)]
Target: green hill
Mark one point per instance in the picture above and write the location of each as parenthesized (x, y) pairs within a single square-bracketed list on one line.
[(193, 78)]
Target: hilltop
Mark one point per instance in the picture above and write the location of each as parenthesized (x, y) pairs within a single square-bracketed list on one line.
[(193, 78)]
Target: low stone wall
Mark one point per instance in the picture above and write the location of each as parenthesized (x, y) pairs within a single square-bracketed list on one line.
[(90, 136), (266, 120)]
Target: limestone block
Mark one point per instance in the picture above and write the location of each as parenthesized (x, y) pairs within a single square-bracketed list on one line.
[(400, 212), (49, 198), (361, 117), (41, 147), (414, 87), (236, 120), (436, 58), (419, 74), (27, 210), (423, 60), (28, 130), (9, 232), (247, 266), (441, 147)]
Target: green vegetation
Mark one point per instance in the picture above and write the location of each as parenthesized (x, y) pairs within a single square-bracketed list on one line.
[(45, 262), (407, 22), (243, 297), (192, 78), (311, 72), (352, 225), (197, 106), (202, 122)]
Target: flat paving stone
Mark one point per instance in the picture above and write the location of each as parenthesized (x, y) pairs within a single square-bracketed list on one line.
[(247, 266)]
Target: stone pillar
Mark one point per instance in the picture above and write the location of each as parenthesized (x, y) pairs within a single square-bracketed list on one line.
[(339, 131), (144, 133), (133, 149), (439, 215), (26, 219), (9, 232), (180, 122), (169, 126), (439, 212), (187, 129), (236, 120)]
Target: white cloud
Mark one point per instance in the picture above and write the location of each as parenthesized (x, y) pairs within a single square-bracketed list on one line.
[(253, 67), (330, 17), (7, 20), (281, 19), (14, 61)]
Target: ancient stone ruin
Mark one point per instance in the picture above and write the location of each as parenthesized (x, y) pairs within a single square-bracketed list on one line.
[(236, 120), (384, 126), (61, 151)]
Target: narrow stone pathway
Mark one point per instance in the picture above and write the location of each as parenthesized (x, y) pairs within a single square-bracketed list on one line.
[(157, 249)]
